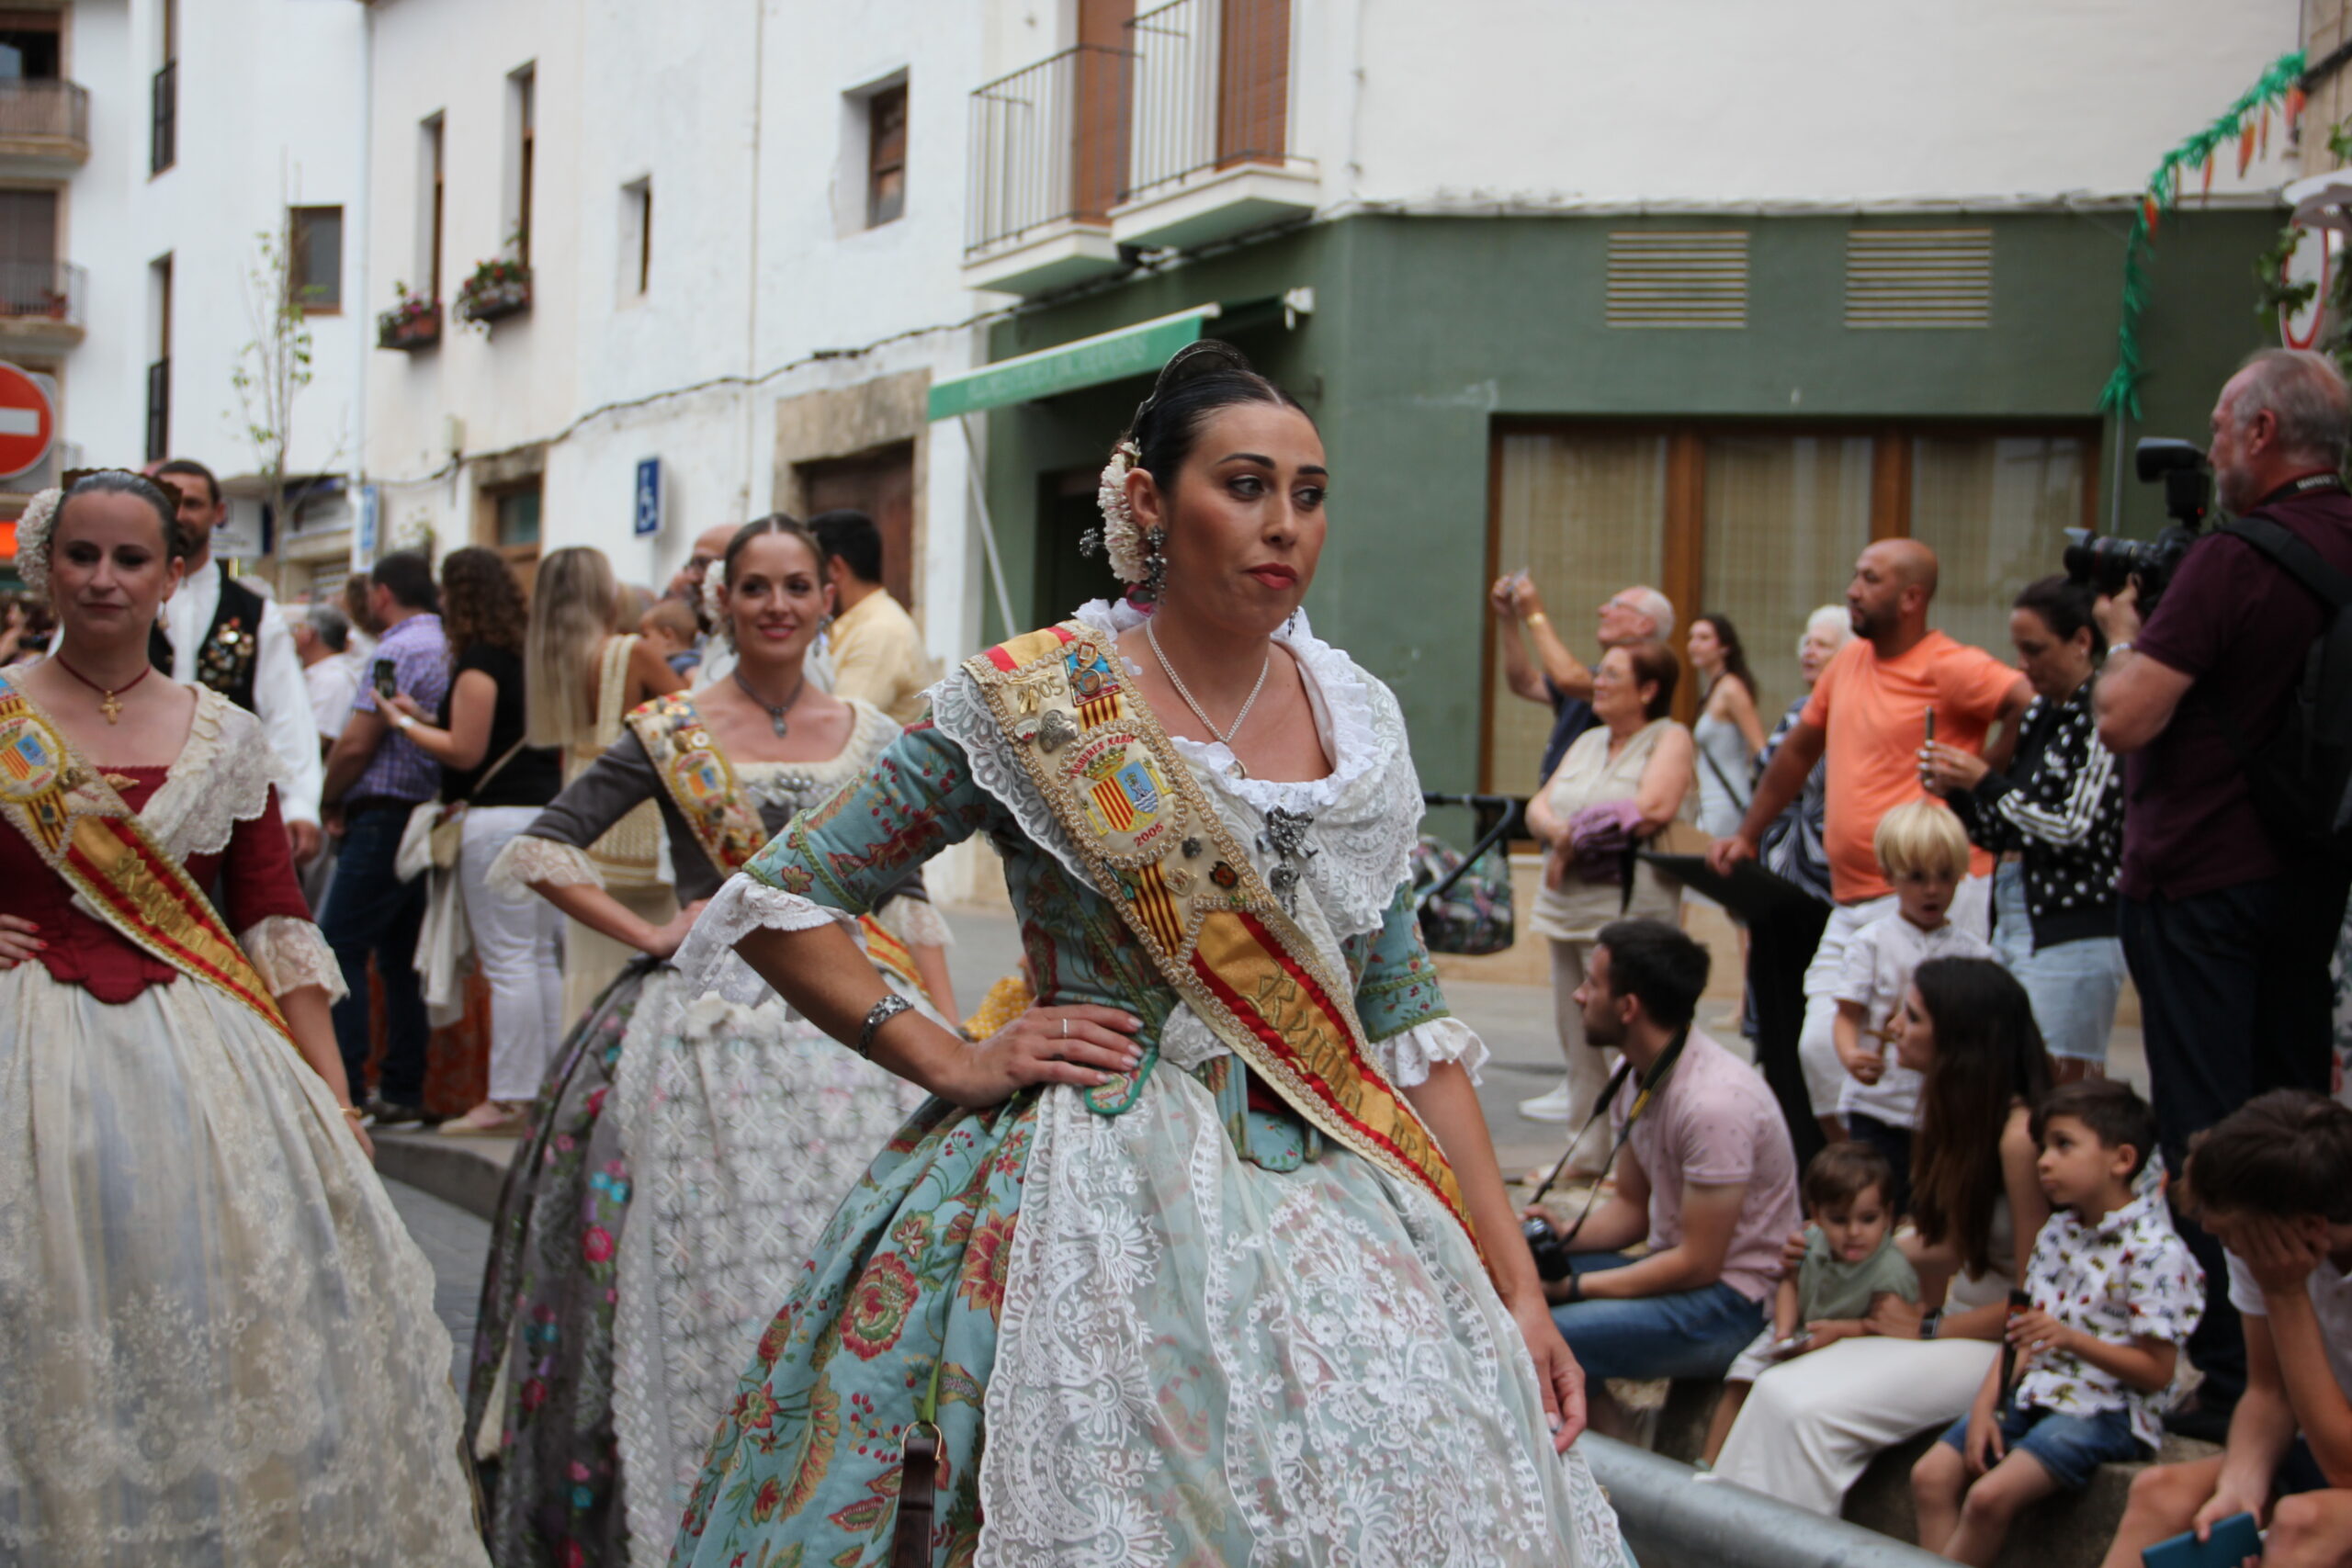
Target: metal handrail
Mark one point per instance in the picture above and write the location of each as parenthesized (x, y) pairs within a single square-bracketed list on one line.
[(1048, 145), (1213, 88), (35, 288), (44, 107), (1675, 1517)]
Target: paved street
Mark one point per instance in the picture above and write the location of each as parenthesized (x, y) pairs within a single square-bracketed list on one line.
[(455, 1242)]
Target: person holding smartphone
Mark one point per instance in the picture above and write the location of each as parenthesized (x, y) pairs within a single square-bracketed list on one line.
[(2273, 1183), (378, 775)]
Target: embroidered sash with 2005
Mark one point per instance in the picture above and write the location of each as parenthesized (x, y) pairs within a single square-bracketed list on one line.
[(88, 835), (1159, 851), (703, 786)]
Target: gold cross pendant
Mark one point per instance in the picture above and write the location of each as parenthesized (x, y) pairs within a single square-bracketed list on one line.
[(110, 705)]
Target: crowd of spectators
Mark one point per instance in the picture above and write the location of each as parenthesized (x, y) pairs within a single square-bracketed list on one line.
[(1969, 854)]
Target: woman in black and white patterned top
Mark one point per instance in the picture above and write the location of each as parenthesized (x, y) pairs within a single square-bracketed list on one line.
[(2056, 819)]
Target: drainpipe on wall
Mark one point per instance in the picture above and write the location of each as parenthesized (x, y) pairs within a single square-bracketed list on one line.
[(1675, 1517)]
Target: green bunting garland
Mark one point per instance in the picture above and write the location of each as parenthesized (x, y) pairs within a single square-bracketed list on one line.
[(2248, 121)]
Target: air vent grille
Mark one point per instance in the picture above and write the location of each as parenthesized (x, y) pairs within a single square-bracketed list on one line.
[(1919, 278), (1660, 278)]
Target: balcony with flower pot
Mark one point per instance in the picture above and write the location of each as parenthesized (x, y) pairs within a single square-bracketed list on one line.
[(414, 322), (499, 288)]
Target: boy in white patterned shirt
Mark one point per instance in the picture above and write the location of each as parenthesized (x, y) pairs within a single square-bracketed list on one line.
[(2115, 1294)]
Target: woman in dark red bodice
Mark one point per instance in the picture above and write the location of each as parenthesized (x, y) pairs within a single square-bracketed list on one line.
[(217, 1340)]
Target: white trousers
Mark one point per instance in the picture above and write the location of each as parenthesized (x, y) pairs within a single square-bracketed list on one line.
[(1812, 1426), (1588, 1068), (515, 941), (1825, 1075)]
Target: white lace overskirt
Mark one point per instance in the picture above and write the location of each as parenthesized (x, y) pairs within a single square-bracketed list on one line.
[(216, 1340), (1201, 1361)]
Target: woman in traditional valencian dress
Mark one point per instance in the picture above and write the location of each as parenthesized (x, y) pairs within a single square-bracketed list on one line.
[(1179, 1268), (687, 1150), (217, 1340)]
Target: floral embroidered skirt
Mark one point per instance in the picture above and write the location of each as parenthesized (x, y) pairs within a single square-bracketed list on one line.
[(1144, 1349), (683, 1163), (216, 1340)]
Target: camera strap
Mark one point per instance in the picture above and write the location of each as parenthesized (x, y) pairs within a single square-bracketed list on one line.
[(1651, 1082)]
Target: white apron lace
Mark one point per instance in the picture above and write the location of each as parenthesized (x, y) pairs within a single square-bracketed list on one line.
[(217, 1340), (744, 1127)]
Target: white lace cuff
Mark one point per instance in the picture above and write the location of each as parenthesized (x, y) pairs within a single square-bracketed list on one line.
[(744, 905), (526, 860), (288, 954), (915, 922), (1407, 1057)]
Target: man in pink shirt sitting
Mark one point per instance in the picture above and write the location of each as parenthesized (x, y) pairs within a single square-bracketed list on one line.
[(1705, 1175)]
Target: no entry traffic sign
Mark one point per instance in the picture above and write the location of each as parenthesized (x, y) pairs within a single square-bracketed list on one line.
[(28, 422)]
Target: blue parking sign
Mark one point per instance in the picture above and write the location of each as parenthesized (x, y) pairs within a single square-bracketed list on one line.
[(648, 497)]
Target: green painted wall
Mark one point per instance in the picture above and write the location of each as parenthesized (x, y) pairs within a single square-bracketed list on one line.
[(1426, 329)]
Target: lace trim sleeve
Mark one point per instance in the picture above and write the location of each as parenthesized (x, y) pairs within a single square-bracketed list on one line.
[(708, 959), (914, 923), (288, 954), (526, 860), (1407, 1057)]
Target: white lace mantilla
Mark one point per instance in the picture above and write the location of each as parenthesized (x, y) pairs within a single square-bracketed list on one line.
[(289, 953), (1366, 811), (221, 777)]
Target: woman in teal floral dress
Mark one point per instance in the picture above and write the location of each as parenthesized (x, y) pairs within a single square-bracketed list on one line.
[(1169, 1270)]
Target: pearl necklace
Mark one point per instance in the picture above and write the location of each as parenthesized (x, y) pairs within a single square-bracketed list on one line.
[(1225, 737)]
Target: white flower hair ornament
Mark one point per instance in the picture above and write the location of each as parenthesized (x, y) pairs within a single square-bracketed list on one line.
[(33, 529), (1135, 557), (714, 613)]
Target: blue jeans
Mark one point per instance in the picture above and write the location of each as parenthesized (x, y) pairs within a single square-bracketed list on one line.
[(2074, 987), (2071, 1447), (1690, 1334), (370, 911)]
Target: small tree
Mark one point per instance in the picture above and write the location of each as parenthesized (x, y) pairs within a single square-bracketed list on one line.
[(274, 367)]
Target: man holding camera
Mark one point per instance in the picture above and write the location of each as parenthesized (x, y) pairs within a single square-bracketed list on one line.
[(1705, 1175), (2227, 935)]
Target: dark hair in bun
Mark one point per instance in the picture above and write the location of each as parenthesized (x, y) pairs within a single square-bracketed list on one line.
[(1198, 379)]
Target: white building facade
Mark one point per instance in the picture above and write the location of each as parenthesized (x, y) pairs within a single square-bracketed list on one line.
[(741, 225), (146, 148)]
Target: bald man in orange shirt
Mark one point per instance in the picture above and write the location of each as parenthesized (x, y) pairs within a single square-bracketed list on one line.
[(1869, 714)]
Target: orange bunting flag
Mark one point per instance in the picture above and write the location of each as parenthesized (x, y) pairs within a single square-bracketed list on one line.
[(2294, 109), (2205, 185), (2265, 131), (2148, 212), (2245, 145)]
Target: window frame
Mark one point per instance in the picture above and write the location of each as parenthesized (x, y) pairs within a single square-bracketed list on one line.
[(298, 239), (876, 168)]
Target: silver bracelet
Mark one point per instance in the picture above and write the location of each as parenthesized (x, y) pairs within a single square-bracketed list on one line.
[(882, 1012)]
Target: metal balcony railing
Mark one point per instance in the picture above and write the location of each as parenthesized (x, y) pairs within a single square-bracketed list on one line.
[(164, 124), (159, 409), (1212, 90), (46, 108), (1048, 144), (32, 289)]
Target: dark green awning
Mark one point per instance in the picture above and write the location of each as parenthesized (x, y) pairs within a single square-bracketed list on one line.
[(1139, 350)]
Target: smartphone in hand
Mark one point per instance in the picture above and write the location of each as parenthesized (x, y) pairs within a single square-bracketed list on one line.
[(2230, 1543), (387, 681)]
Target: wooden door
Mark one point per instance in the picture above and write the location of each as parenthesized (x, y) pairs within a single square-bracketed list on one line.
[(880, 483), (1253, 81)]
